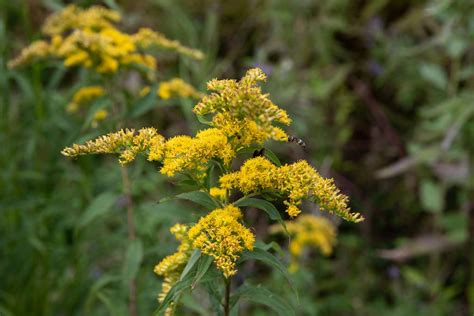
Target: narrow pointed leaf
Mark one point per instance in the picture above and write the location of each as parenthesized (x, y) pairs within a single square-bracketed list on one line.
[(201, 198)]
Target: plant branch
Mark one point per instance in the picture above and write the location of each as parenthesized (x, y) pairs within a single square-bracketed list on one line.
[(132, 287)]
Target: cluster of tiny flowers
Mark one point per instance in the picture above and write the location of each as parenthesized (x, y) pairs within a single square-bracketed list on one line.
[(177, 87), (185, 153), (221, 235), (127, 143), (297, 181), (308, 231), (171, 267), (242, 111), (178, 154), (84, 95), (89, 38)]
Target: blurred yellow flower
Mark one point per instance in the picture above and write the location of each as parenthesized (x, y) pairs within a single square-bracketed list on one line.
[(308, 231), (177, 87), (89, 38), (84, 95)]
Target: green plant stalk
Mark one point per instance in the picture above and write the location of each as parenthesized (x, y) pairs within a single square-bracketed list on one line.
[(227, 297), (132, 287)]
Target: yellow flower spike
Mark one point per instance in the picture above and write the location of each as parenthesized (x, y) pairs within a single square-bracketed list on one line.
[(298, 181), (146, 38), (126, 142), (90, 38), (308, 231), (74, 17), (220, 235), (172, 266), (242, 111), (36, 50)]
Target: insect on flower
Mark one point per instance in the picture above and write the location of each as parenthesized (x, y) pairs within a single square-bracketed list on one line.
[(259, 153), (297, 140)]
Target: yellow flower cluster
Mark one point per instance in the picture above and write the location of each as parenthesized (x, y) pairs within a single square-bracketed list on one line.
[(308, 231), (84, 95), (177, 87), (36, 50), (298, 181), (185, 153), (172, 266), (126, 142), (178, 154), (73, 17), (146, 38), (221, 235), (218, 193), (242, 111), (89, 38)]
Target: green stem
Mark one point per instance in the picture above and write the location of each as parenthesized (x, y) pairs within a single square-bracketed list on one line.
[(227, 297), (127, 190)]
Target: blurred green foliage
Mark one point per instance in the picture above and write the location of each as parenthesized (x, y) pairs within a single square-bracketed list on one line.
[(382, 93)]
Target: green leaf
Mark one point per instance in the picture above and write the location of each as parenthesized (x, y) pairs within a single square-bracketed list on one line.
[(94, 292), (201, 198), (248, 150), (434, 74), (203, 120), (179, 287), (174, 293), (191, 263), (431, 196), (203, 266), (265, 206), (99, 206), (146, 103), (133, 259), (272, 157), (261, 295), (272, 261)]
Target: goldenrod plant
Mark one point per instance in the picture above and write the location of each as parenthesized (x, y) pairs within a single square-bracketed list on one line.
[(90, 39), (241, 119), (89, 42)]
